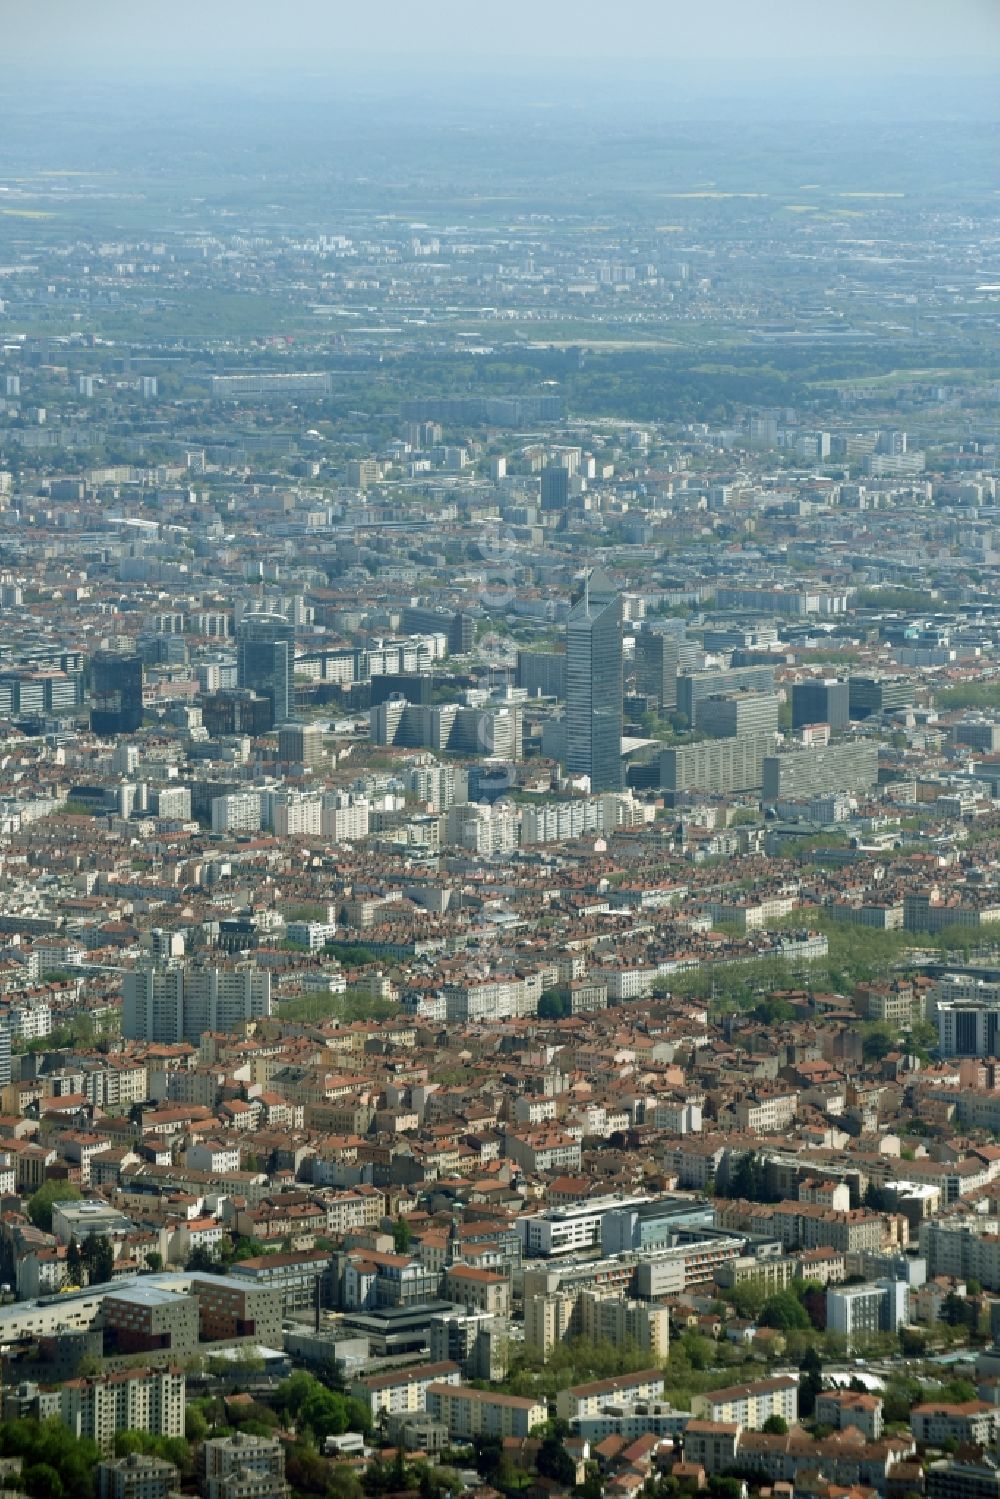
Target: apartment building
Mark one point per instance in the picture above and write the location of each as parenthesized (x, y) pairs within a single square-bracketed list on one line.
[(587, 1399), (973, 1423), (859, 1312), (403, 1391), (468, 1412), (716, 765), (543, 1150), (243, 1467), (749, 1406), (101, 1405), (765, 1113), (818, 770), (569, 1228), (138, 1476), (619, 1321), (844, 1408)]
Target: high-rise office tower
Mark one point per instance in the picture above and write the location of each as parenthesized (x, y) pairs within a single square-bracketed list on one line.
[(820, 702), (265, 656), (301, 744), (115, 693), (594, 684), (555, 487), (656, 657)]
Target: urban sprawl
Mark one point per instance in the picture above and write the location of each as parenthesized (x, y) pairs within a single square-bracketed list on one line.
[(499, 846)]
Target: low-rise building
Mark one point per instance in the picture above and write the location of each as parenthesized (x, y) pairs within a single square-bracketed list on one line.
[(751, 1405), (403, 1391), (469, 1412), (843, 1408)]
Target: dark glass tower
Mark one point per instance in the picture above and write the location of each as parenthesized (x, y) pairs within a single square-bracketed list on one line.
[(594, 684), (821, 702), (555, 488), (265, 656), (656, 667), (115, 693)]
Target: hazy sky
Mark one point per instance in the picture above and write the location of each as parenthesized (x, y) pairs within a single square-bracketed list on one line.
[(147, 35)]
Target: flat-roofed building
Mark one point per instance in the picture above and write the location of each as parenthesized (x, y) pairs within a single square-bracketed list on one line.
[(404, 1391), (818, 770), (295, 1276), (716, 765), (586, 1399), (469, 1412), (750, 1405), (149, 1319), (138, 1476)]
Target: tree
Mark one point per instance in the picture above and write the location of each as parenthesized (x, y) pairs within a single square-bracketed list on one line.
[(810, 1381), (343, 1483), (54, 1461), (877, 1043), (154, 1260), (324, 1413), (40, 1205), (957, 1312), (306, 1471), (772, 1011), (248, 1249), (43, 1482), (912, 1344), (813, 1299), (196, 1428), (958, 1391), (749, 1179), (776, 1425), (203, 1260), (74, 1260), (899, 1398), (784, 1312), (555, 1462), (722, 1487), (747, 1299), (397, 1473), (553, 1005), (402, 1236), (99, 1257)]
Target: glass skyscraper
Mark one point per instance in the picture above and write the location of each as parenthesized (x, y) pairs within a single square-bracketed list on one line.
[(115, 693), (265, 660), (594, 684)]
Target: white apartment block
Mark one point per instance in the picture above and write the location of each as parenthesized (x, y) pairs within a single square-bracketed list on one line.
[(150, 1400), (751, 1405), (588, 1399), (238, 812), (294, 814), (346, 817), (175, 1001), (403, 1391), (630, 981), (468, 1412)]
